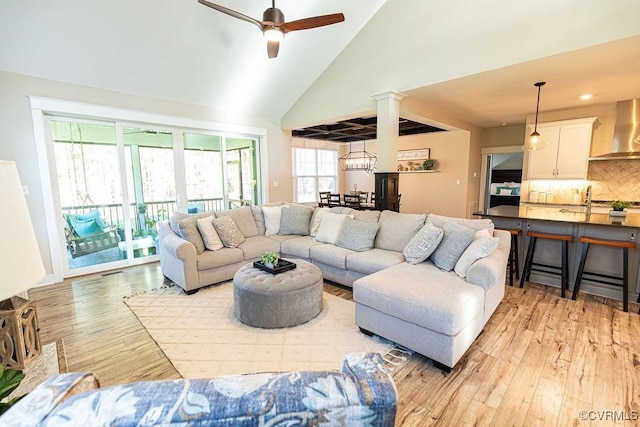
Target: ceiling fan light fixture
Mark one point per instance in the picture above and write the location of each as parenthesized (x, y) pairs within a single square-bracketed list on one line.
[(273, 34), (273, 25), (535, 141)]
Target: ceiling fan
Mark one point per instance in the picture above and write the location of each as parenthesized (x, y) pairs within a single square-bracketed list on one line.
[(273, 25)]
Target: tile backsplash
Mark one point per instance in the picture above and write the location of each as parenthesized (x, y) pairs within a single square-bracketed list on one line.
[(609, 180), (615, 179)]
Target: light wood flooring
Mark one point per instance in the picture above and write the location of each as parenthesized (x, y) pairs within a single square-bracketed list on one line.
[(540, 360)]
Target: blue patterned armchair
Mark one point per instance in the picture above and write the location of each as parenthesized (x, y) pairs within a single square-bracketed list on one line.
[(362, 394)]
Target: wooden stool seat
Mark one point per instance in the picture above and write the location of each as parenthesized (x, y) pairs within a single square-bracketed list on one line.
[(600, 278), (562, 270), (513, 262), (548, 236), (605, 242)]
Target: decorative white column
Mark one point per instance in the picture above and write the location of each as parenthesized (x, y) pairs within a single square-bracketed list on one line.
[(388, 107)]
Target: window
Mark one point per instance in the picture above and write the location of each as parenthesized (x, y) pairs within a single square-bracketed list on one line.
[(313, 171)]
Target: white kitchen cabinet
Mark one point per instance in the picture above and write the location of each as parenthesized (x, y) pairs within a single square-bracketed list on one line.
[(567, 153)]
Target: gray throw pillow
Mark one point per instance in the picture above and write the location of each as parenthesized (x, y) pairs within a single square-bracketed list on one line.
[(228, 231), (341, 210), (243, 219), (456, 239), (423, 244), (367, 216), (357, 235), (295, 219), (173, 221), (188, 230), (482, 246), (397, 229), (474, 224)]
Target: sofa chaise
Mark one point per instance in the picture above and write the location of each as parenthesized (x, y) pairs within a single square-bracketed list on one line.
[(419, 305)]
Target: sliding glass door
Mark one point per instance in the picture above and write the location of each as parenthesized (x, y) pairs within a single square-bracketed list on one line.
[(90, 191), (204, 173), (116, 181), (241, 172), (220, 172), (151, 184)]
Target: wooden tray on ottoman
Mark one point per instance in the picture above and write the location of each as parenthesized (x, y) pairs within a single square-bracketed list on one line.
[(283, 265)]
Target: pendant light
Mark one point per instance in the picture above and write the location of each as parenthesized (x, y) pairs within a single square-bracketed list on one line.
[(535, 141), (358, 160)]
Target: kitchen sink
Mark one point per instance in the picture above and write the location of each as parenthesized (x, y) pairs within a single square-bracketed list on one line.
[(583, 209), (575, 210)]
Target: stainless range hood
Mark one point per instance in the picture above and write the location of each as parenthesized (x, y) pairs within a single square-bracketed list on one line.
[(626, 135)]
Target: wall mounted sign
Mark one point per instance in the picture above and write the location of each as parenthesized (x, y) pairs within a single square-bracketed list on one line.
[(412, 160)]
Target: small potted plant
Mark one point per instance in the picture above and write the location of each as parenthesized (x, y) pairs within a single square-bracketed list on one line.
[(618, 207), (270, 259), (428, 164)]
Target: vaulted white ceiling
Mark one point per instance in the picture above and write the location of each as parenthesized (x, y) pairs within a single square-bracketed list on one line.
[(176, 49), (476, 60)]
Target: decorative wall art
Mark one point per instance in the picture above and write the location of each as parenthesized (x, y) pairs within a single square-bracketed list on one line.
[(414, 160)]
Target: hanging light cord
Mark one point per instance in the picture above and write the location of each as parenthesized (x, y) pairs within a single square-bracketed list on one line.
[(539, 84), (535, 128)]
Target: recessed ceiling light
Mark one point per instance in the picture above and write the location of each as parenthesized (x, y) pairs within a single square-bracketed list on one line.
[(586, 96)]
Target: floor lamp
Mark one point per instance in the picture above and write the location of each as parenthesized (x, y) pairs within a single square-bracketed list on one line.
[(20, 268)]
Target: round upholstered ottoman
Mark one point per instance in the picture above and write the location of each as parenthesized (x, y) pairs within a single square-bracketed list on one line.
[(277, 300)]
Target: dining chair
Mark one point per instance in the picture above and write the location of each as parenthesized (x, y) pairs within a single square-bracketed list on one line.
[(364, 197), (334, 200), (352, 201), (324, 198)]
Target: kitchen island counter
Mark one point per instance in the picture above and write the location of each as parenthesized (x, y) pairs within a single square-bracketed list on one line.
[(566, 215), (575, 222)]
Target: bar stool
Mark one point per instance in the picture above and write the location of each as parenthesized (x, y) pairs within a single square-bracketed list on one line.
[(514, 259), (562, 270), (625, 245)]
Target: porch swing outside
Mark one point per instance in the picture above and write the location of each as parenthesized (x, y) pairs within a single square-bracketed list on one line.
[(77, 245), (81, 246)]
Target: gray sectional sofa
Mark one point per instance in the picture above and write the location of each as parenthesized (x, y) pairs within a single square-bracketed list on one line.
[(434, 312)]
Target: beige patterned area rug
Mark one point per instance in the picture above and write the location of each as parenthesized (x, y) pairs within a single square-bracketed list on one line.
[(202, 338)]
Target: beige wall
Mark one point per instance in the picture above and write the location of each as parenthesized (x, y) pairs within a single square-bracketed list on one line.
[(473, 173), (363, 180), (438, 192), (430, 192), (17, 140), (503, 136)]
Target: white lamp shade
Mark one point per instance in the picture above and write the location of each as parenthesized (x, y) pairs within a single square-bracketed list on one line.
[(20, 260)]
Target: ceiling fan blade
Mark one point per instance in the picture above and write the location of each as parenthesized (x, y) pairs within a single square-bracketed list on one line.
[(272, 48), (314, 22), (232, 13)]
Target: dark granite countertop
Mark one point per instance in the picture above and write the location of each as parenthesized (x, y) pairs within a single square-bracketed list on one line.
[(560, 215)]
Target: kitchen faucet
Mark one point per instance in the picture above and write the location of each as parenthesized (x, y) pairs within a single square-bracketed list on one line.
[(588, 200)]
